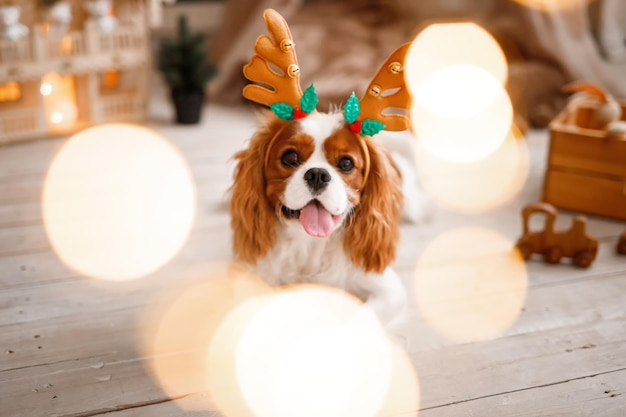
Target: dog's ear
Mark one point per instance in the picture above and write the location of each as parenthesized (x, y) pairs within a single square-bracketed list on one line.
[(252, 216), (373, 230)]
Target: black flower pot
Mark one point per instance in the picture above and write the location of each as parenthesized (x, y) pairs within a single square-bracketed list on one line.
[(188, 106)]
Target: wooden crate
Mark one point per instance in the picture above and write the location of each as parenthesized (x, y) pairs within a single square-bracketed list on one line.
[(586, 169)]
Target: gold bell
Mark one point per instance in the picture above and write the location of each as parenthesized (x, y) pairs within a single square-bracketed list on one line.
[(286, 45), (374, 91), (293, 70), (395, 67)]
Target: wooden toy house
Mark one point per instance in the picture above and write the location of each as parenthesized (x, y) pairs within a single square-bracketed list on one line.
[(58, 79), (586, 168)]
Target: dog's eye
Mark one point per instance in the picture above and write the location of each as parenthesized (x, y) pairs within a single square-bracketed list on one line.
[(290, 159), (345, 164)]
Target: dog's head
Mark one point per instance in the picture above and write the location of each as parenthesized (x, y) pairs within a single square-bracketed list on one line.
[(314, 172), (321, 170), (319, 174)]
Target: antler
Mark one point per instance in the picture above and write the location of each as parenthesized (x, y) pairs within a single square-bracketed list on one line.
[(390, 76), (279, 53)]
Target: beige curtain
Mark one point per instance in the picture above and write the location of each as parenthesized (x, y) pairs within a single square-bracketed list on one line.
[(566, 36)]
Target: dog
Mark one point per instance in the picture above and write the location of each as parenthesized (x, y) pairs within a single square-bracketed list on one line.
[(316, 198)]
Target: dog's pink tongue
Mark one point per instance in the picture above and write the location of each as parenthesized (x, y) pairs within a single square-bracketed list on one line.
[(316, 220)]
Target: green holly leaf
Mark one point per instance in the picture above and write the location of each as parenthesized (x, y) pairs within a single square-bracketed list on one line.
[(309, 100), (351, 110), (371, 127), (284, 111)]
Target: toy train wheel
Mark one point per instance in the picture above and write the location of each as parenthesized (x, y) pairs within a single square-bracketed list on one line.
[(621, 246), (525, 250), (583, 258), (553, 255)]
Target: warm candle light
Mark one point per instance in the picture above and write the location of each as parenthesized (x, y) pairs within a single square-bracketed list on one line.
[(66, 45), (10, 92), (59, 98), (110, 79), (45, 89)]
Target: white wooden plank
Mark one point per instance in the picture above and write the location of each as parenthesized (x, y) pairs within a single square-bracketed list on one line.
[(68, 338), (77, 386), (597, 395), (19, 239), (601, 396), (464, 372), (62, 297), (192, 405), (34, 268), (22, 188), (28, 158)]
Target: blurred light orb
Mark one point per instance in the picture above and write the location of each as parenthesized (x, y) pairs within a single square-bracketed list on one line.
[(306, 351), (456, 72), (460, 91), (180, 323), (480, 186), (64, 113), (470, 284), (56, 117), (45, 89), (118, 202), (554, 5), (442, 45), (51, 83), (461, 114)]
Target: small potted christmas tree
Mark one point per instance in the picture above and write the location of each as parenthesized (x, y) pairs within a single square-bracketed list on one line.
[(186, 68)]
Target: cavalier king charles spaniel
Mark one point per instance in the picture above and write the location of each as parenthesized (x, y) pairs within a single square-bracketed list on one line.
[(316, 198)]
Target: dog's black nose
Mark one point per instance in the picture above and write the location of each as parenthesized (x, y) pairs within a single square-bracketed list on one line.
[(317, 179)]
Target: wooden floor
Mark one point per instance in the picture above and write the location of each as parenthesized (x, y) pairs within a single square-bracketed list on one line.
[(550, 342)]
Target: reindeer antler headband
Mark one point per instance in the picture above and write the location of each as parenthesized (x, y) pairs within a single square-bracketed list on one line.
[(283, 94)]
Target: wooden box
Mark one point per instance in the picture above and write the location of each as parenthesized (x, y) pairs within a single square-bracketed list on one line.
[(586, 170)]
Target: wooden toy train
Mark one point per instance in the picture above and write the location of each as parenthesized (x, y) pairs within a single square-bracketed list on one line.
[(554, 245)]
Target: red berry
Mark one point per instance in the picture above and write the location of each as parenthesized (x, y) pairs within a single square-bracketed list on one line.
[(299, 114), (355, 127)]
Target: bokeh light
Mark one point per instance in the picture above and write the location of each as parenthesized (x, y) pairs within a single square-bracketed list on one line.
[(118, 202), (460, 91), (308, 351), (63, 113), (477, 187), (59, 100), (319, 349), (461, 112), (554, 5), (46, 88), (180, 324), (443, 45), (470, 284)]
